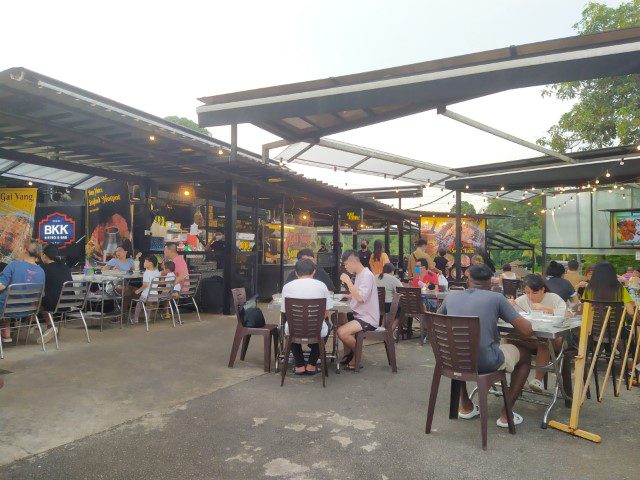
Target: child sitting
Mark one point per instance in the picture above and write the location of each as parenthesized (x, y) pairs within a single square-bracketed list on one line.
[(150, 273), (168, 272)]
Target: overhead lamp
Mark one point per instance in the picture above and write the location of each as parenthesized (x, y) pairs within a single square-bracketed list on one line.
[(502, 188), (533, 189), (30, 183), (187, 191), (542, 211), (621, 187), (304, 216), (622, 161), (624, 196), (638, 147), (607, 174), (588, 185), (528, 203), (221, 152), (597, 181), (152, 138), (362, 225), (504, 208), (466, 187), (428, 182), (594, 189)]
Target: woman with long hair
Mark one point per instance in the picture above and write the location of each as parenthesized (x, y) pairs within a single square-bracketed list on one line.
[(390, 282), (378, 259), (604, 286)]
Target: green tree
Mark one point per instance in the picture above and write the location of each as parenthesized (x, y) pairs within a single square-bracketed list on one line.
[(185, 122), (606, 110), (523, 221), (467, 208)]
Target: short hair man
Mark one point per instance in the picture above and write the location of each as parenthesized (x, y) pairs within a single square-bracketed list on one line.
[(181, 269), (479, 301), (21, 270), (364, 254), (306, 287), (365, 307), (307, 254), (573, 275)]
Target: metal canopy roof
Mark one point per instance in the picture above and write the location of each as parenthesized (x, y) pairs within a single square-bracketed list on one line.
[(351, 158), (549, 172), (53, 132), (310, 110)]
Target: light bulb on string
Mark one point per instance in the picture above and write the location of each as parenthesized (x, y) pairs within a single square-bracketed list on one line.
[(622, 161), (607, 174), (597, 181)]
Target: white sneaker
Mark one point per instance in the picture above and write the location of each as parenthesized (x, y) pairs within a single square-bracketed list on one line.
[(536, 385), (47, 335), (7, 340), (472, 414)]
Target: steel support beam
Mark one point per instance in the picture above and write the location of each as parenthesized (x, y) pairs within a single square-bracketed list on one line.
[(231, 215), (504, 135), (458, 255)]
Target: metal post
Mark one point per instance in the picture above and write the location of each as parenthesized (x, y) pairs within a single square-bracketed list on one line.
[(281, 281), (354, 238), (229, 267), (387, 240), (256, 260), (543, 218), (206, 223), (458, 255), (401, 247), (336, 249)]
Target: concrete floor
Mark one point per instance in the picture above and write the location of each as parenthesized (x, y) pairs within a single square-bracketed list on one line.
[(164, 405)]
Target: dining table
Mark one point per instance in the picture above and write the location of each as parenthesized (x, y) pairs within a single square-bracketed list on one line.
[(107, 291)]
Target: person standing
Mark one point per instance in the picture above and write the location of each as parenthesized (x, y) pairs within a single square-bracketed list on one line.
[(378, 259), (23, 270), (363, 300), (365, 254)]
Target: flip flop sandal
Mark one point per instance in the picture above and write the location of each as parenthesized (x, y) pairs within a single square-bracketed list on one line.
[(352, 369), (312, 372), (472, 414), (346, 359), (517, 420)]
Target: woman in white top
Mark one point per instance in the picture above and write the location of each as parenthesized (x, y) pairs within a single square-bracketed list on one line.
[(537, 298), (389, 281), (506, 274)]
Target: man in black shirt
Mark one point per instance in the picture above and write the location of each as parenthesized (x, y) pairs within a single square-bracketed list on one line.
[(320, 274), (365, 254), (441, 261), (56, 273)]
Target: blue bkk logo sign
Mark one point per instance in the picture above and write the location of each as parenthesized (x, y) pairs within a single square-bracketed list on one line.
[(57, 229)]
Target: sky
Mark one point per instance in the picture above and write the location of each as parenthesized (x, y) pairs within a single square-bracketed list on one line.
[(160, 56)]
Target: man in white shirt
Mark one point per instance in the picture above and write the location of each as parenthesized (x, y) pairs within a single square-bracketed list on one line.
[(306, 287)]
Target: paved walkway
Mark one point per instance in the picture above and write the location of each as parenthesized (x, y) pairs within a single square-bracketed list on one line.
[(185, 415)]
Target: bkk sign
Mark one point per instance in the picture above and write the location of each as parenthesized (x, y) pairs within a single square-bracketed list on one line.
[(57, 229)]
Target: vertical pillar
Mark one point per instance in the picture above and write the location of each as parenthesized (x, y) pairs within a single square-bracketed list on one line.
[(256, 234), (354, 237), (458, 255), (387, 240), (543, 219), (282, 214), (337, 250), (231, 215), (401, 247)]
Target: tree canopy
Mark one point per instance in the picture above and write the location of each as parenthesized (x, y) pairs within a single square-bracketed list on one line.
[(467, 208), (606, 111), (185, 122)]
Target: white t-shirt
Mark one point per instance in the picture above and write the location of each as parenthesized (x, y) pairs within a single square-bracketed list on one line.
[(508, 275), (172, 276), (147, 277), (549, 300), (306, 288)]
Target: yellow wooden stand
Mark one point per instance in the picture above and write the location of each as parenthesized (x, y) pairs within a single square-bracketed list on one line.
[(580, 360)]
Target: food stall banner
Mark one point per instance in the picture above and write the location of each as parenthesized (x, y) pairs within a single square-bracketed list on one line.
[(17, 209), (440, 232), (61, 225), (108, 220), (296, 238), (625, 229)]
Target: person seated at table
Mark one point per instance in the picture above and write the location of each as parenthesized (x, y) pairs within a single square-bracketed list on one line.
[(181, 269), (421, 251), (605, 287), (305, 286), (168, 272), (588, 272), (559, 285), (120, 262), (573, 275), (506, 274), (537, 297), (56, 273), (363, 301), (150, 273), (378, 259), (479, 301), (425, 276), (22, 270), (307, 254), (389, 282)]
